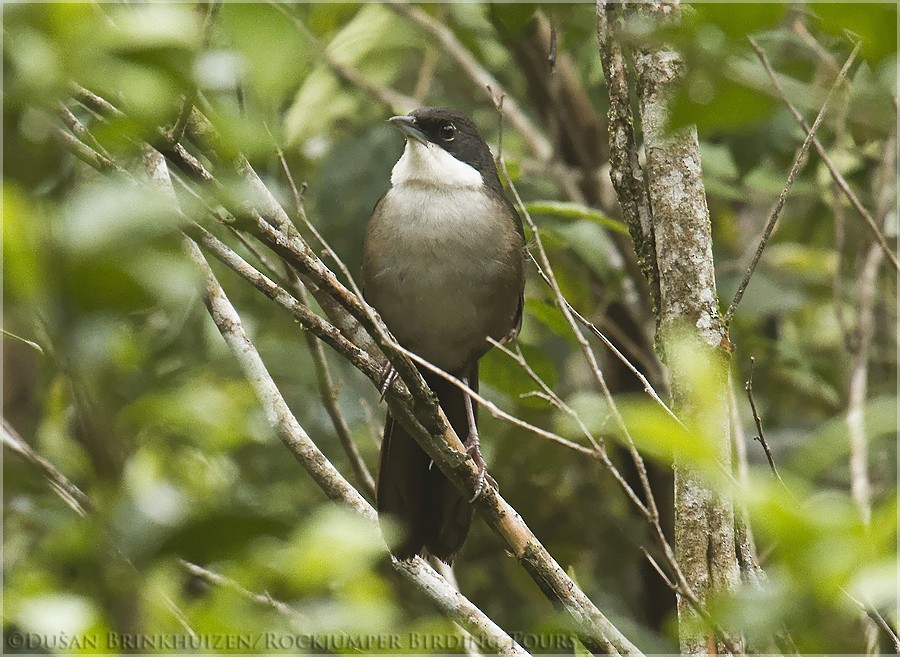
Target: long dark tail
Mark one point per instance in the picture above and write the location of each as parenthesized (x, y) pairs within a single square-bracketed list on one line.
[(434, 516)]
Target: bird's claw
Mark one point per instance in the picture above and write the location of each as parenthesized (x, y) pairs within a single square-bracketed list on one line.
[(482, 478)]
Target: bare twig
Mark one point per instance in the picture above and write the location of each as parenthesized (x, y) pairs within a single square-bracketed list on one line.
[(482, 79), (760, 436), (80, 130), (326, 476), (840, 243), (585, 346), (426, 75), (328, 393), (832, 169), (499, 413), (665, 578), (264, 599), (861, 342), (550, 395), (876, 618), (745, 544), (79, 502), (799, 28), (176, 132), (58, 482), (648, 388), (302, 313), (393, 100), (409, 400), (85, 153), (799, 160)]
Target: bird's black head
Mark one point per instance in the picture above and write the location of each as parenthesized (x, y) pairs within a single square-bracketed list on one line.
[(453, 131)]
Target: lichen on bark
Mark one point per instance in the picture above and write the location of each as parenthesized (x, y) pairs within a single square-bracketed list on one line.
[(688, 305)]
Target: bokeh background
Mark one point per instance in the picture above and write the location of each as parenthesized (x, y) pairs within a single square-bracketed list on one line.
[(113, 371)]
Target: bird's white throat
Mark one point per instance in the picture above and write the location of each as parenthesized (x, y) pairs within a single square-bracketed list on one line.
[(429, 164)]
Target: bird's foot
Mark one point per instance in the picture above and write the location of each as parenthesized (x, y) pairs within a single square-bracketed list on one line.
[(473, 450), (388, 374)]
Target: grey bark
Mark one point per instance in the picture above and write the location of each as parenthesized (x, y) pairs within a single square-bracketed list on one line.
[(688, 307)]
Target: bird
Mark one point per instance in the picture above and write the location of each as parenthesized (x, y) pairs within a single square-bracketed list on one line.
[(444, 266)]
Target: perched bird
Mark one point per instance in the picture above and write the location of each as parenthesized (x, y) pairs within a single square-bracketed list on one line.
[(443, 264)]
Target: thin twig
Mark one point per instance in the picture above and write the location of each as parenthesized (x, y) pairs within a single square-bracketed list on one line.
[(878, 619), (411, 402), (799, 160), (760, 436), (665, 578), (426, 75), (58, 482), (264, 599), (80, 130), (393, 100), (176, 133), (481, 78), (861, 340), (829, 164), (550, 395), (586, 349), (79, 502), (329, 395), (84, 152), (648, 388), (746, 546), (496, 411)]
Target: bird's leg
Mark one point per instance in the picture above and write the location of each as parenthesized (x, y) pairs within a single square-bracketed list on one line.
[(388, 374), (473, 448)]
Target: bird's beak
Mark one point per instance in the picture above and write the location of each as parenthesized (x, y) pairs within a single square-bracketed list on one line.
[(407, 125)]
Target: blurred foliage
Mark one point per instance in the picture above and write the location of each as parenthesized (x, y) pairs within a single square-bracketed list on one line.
[(134, 396)]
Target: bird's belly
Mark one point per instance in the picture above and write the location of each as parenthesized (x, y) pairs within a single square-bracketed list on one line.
[(445, 277)]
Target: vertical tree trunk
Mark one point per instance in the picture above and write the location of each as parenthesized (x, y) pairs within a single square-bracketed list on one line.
[(665, 206), (688, 307)]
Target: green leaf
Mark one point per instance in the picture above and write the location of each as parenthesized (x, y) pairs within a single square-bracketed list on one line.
[(22, 265), (374, 42), (830, 444), (110, 217), (574, 211), (274, 69)]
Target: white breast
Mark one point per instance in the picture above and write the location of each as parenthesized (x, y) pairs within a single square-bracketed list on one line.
[(442, 254)]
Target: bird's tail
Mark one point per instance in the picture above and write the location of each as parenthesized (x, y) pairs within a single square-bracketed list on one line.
[(433, 515)]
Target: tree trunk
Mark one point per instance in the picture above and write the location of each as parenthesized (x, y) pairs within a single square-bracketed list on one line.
[(688, 310)]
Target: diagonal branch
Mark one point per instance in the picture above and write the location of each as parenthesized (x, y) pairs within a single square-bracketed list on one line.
[(393, 100), (80, 503), (409, 401), (839, 180), (483, 80), (799, 159), (450, 601)]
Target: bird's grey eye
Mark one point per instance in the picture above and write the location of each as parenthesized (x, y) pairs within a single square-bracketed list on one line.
[(448, 132)]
